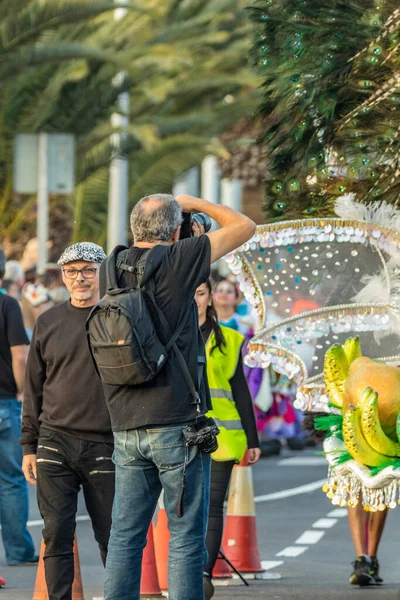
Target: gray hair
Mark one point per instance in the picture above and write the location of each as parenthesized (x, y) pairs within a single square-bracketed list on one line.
[(155, 218), (13, 270)]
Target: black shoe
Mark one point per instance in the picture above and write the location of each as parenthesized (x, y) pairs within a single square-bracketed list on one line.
[(208, 587), (295, 443), (363, 573), (375, 570), (309, 442), (26, 563), (270, 447)]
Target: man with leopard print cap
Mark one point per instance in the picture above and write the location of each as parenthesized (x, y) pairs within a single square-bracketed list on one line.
[(66, 432)]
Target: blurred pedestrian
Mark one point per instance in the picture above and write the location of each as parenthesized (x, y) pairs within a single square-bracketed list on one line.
[(232, 410), (226, 299), (39, 301), (15, 273), (66, 431), (18, 544), (10, 288), (52, 280)]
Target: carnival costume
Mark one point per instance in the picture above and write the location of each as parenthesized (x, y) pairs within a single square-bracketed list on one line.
[(349, 267)]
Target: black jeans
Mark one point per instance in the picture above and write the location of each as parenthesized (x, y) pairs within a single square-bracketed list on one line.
[(220, 476), (64, 464)]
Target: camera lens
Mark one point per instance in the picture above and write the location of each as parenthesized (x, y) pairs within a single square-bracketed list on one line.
[(203, 220)]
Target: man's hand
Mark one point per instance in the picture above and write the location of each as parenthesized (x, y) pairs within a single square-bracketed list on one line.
[(20, 396), (197, 229), (29, 468), (253, 455)]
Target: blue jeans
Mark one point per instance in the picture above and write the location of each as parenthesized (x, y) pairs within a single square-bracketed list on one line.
[(17, 540), (148, 460)]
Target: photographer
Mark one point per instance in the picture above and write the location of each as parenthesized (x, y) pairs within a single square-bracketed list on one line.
[(149, 420)]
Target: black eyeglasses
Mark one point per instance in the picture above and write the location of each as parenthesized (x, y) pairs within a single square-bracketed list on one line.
[(87, 272)]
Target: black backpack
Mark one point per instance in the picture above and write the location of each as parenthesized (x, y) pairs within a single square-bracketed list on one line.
[(121, 333)]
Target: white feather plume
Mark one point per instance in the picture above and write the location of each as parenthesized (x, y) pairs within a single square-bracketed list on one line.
[(380, 288), (346, 207), (379, 213), (375, 290)]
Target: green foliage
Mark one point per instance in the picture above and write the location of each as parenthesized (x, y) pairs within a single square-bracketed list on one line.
[(58, 65), (187, 58), (331, 101)]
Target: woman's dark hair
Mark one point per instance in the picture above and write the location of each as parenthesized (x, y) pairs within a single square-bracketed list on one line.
[(211, 316)]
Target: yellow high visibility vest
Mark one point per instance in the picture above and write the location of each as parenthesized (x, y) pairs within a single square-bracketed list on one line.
[(221, 367)]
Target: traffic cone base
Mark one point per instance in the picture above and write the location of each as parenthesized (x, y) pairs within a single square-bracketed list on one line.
[(221, 569), (243, 533), (240, 534)]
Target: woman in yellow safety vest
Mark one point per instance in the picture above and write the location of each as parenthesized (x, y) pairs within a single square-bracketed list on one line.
[(232, 409)]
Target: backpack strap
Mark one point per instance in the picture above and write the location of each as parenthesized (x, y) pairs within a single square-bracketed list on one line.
[(110, 268), (150, 261), (143, 269), (172, 344)]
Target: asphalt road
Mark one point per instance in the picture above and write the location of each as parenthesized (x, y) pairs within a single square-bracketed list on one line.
[(302, 538)]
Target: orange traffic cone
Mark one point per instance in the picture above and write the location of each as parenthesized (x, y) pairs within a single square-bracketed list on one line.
[(149, 586), (240, 535), (221, 569), (40, 592), (2, 582), (161, 543)]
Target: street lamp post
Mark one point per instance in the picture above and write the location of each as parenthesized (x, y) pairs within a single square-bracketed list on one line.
[(42, 202), (119, 173)]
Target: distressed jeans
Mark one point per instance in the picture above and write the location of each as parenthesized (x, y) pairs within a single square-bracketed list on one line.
[(64, 464), (18, 544), (148, 460)]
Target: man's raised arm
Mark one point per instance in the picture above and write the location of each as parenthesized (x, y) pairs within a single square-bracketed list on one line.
[(235, 228)]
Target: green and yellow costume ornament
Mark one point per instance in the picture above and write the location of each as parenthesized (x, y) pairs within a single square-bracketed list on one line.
[(327, 292)]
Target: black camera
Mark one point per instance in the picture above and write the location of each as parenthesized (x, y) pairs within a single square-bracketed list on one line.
[(203, 434), (189, 219)]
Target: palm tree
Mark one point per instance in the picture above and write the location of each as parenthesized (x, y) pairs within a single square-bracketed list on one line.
[(188, 80)]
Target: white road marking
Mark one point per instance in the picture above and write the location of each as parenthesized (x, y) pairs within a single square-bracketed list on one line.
[(338, 512), (324, 523), (305, 461), (271, 564), (301, 489), (310, 537), (292, 551)]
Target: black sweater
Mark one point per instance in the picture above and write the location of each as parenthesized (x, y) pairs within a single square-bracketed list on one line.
[(62, 388), (241, 395)]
